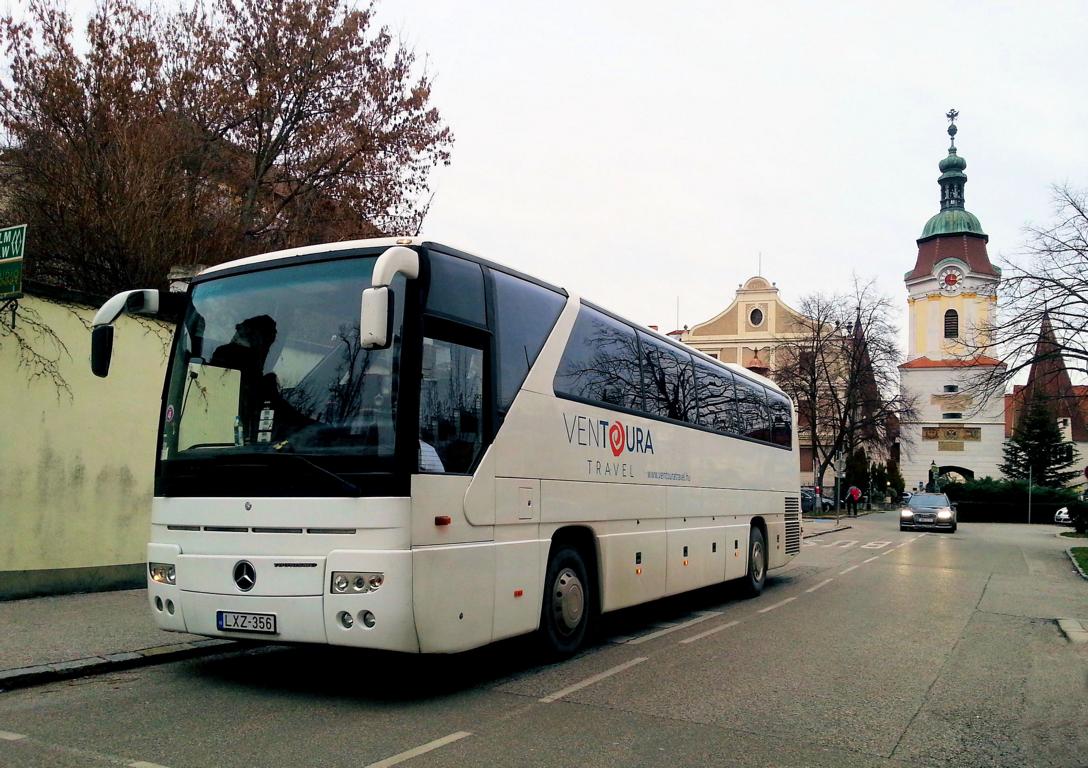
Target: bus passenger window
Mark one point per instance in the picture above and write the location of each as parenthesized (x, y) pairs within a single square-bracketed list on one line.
[(717, 400), (752, 408), (450, 407), (781, 419), (525, 315), (600, 363), (668, 381)]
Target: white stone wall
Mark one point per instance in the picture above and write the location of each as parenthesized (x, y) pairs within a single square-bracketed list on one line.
[(982, 457)]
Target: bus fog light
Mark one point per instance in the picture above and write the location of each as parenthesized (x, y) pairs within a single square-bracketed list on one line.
[(368, 619), (163, 573), (357, 582), (170, 607), (158, 604), (346, 621)]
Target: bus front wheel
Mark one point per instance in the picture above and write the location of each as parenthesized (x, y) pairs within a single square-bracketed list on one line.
[(568, 603), (757, 563)]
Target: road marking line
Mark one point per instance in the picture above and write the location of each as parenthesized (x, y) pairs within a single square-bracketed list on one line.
[(890, 551), (776, 605), (9, 736), (813, 589), (422, 749), (875, 545), (852, 567), (708, 633), (673, 628), (144, 764), (871, 559), (586, 683)]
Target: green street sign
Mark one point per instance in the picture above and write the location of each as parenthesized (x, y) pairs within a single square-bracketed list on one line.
[(12, 240)]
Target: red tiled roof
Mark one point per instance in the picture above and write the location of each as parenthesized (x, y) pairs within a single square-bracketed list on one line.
[(968, 248), (955, 362)]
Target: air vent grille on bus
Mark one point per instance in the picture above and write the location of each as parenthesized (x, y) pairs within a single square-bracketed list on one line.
[(793, 526)]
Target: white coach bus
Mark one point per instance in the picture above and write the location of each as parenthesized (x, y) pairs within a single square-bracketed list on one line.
[(394, 444)]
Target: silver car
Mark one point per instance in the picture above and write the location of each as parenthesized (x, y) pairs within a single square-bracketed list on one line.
[(1062, 517), (928, 510)]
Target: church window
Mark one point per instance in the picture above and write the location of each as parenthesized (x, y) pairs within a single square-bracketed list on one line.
[(952, 415), (951, 388), (951, 324), (756, 316)]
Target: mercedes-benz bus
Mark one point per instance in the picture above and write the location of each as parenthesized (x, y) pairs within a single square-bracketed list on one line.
[(395, 444)]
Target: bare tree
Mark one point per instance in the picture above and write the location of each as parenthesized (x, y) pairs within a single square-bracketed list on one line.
[(840, 363), (1045, 284), (207, 133)]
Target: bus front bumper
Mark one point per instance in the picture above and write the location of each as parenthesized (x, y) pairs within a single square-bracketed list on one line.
[(206, 598)]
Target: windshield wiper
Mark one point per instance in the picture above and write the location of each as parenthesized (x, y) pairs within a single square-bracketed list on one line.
[(346, 484)]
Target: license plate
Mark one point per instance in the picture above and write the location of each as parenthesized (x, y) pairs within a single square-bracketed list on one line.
[(230, 621)]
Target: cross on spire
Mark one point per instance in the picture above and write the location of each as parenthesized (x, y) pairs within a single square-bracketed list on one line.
[(952, 114)]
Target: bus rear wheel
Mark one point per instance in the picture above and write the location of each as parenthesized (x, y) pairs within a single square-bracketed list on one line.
[(757, 563), (568, 603)]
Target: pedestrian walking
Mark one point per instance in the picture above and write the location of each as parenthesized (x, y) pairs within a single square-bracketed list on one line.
[(853, 494)]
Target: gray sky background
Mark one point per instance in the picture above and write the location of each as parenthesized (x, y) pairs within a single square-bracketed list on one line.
[(636, 153)]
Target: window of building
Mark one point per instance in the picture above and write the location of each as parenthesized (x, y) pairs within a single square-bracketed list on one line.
[(668, 380), (952, 415), (600, 362), (951, 324), (755, 317), (950, 388), (525, 314)]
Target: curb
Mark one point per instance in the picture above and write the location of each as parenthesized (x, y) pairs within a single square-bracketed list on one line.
[(1069, 551), (1073, 630), (824, 533), (40, 674)]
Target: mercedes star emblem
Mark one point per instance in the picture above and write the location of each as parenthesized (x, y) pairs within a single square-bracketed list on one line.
[(245, 575)]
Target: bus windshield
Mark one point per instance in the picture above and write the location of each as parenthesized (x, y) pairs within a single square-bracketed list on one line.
[(268, 365)]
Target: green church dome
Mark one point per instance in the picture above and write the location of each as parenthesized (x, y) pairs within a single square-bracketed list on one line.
[(952, 221), (952, 163), (953, 218)]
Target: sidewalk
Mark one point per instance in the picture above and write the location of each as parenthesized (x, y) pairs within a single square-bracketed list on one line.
[(49, 638)]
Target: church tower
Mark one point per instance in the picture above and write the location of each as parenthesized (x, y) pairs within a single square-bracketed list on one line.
[(951, 300)]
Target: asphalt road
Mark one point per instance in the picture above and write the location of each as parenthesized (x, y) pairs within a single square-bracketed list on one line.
[(873, 648)]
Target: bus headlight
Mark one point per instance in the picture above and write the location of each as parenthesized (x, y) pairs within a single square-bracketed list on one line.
[(163, 573), (356, 582)]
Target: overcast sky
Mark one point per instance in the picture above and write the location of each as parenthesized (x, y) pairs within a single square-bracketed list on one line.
[(636, 153)]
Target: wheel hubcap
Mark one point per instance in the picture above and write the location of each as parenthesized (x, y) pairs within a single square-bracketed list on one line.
[(757, 561), (569, 602)]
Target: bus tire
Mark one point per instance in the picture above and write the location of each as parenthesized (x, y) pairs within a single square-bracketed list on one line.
[(568, 603), (757, 563)]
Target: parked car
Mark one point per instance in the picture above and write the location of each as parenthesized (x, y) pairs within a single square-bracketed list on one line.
[(928, 510), (1062, 517), (809, 501)]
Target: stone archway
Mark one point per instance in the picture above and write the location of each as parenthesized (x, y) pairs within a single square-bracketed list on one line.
[(955, 474)]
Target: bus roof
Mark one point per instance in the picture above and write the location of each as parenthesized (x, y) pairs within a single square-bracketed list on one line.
[(386, 242)]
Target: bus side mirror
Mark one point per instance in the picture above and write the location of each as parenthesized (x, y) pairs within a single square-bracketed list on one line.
[(101, 350), (145, 301), (376, 317)]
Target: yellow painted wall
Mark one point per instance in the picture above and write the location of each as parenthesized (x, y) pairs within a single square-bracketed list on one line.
[(76, 471)]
